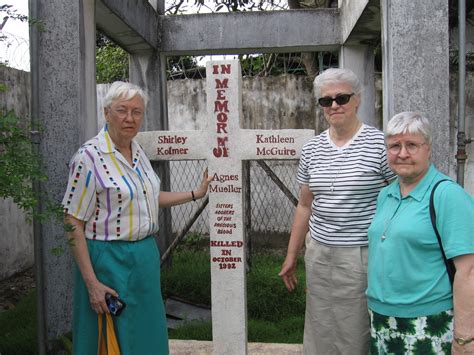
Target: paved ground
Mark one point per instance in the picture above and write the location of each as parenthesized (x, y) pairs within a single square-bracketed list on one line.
[(193, 347)]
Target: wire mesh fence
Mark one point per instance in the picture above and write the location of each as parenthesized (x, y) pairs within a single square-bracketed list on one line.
[(271, 212), (254, 65)]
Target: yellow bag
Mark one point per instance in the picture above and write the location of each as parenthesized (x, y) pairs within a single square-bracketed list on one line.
[(112, 346)]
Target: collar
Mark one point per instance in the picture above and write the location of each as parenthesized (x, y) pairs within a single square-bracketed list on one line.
[(107, 146), (349, 142), (420, 190), (105, 142)]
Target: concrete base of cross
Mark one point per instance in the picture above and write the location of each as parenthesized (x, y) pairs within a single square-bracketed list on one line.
[(192, 347)]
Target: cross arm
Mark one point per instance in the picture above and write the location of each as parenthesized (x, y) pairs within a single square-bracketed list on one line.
[(282, 144), (173, 145)]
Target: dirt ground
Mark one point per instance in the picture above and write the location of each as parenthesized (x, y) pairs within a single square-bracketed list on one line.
[(15, 288)]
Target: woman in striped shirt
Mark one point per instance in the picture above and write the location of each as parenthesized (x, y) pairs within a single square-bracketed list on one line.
[(341, 172), (112, 202)]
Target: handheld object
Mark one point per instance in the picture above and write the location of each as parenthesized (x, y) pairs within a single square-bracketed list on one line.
[(115, 304)]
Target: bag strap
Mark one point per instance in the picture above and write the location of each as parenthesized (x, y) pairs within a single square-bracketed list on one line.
[(112, 347), (450, 268)]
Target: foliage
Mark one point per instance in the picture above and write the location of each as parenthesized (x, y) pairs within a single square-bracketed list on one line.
[(20, 168), (274, 314), (289, 331), (18, 328), (189, 277), (18, 333), (12, 13), (111, 64), (9, 13), (267, 298), (19, 164), (265, 295), (200, 6), (192, 330), (184, 67)]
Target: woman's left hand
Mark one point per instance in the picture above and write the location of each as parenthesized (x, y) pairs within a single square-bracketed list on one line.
[(201, 191)]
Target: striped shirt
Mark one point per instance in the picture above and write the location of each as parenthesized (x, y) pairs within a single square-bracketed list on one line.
[(117, 201), (345, 182)]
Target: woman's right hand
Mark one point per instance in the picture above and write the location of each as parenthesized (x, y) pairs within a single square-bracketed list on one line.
[(97, 291), (288, 272)]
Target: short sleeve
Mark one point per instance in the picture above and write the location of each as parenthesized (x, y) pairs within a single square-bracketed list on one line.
[(455, 219), (79, 198), (303, 174)]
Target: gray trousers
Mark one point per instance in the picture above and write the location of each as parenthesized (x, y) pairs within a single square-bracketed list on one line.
[(337, 318)]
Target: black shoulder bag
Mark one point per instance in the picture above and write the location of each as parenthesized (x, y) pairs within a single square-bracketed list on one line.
[(450, 268)]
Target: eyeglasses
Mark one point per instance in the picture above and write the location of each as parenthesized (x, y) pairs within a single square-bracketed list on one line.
[(123, 113), (340, 100), (410, 147)]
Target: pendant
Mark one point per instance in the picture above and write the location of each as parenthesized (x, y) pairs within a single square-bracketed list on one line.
[(331, 187), (382, 238)]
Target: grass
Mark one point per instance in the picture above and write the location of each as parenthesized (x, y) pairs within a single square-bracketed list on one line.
[(18, 328), (274, 315)]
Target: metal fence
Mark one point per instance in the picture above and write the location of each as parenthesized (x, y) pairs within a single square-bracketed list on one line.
[(263, 64), (271, 211)]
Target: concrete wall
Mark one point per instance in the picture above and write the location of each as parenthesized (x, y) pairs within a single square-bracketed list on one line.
[(268, 103), (280, 102), (16, 241)]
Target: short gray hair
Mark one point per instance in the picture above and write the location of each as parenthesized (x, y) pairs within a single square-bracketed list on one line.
[(123, 90), (409, 122), (336, 76)]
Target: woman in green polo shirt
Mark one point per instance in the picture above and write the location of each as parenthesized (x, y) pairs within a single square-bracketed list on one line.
[(410, 297)]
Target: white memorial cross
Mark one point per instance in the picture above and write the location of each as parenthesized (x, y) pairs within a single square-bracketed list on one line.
[(225, 145)]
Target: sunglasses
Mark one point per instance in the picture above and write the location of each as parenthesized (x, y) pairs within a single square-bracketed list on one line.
[(340, 100)]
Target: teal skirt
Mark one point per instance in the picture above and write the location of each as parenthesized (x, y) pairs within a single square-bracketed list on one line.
[(133, 270)]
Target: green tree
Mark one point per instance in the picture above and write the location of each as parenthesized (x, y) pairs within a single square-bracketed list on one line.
[(112, 61), (19, 164)]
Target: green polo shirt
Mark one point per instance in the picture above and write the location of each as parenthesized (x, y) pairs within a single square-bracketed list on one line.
[(406, 273)]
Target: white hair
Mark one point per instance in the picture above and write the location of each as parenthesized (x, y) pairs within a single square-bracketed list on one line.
[(123, 90), (336, 76), (409, 122)]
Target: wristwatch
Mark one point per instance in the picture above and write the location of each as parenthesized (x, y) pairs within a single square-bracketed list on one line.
[(462, 341)]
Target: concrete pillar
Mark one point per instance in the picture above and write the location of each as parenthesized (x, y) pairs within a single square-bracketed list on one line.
[(158, 5), (360, 59), (415, 44), (63, 102), (147, 69)]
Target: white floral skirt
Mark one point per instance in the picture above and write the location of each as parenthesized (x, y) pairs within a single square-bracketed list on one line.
[(427, 335)]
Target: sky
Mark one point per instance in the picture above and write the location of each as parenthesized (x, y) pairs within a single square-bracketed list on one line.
[(15, 49)]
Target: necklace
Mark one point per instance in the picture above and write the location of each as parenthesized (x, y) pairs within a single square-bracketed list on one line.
[(344, 157), (344, 154), (388, 222)]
